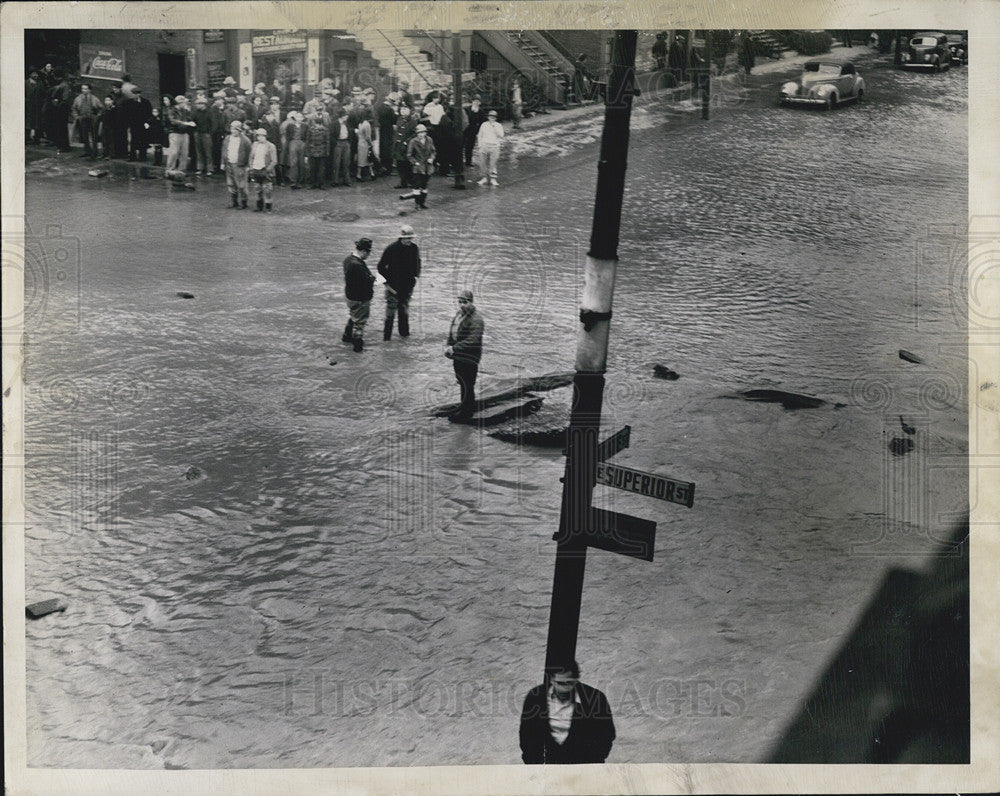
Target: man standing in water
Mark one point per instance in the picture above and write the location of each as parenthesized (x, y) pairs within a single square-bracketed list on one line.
[(358, 287), (465, 349), (565, 721), (400, 266)]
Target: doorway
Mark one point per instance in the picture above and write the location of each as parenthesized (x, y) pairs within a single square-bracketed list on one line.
[(172, 78)]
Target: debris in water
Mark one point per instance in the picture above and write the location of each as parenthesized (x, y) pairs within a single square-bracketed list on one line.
[(98, 173), (901, 445), (43, 608), (663, 372), (182, 294), (788, 400), (192, 473), (907, 429), (903, 354)]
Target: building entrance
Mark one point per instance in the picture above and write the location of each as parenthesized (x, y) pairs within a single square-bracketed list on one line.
[(172, 77)]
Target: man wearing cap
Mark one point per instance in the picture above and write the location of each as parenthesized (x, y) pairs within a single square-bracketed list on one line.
[(202, 118), (401, 135), (293, 133), (341, 138), (236, 157), (86, 108), (263, 160), (421, 154), (358, 288), (385, 118), (488, 140), (317, 139), (465, 349), (400, 266), (179, 124), (476, 114)]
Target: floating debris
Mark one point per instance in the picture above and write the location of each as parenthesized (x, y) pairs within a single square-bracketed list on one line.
[(901, 445), (663, 372), (182, 294), (98, 173), (903, 354), (44, 608), (193, 473), (788, 400), (907, 429)]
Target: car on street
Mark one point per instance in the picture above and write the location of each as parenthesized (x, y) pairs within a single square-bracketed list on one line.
[(927, 50), (958, 44), (824, 82)]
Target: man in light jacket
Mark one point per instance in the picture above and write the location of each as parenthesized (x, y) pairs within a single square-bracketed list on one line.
[(488, 140), (263, 162), (236, 159)]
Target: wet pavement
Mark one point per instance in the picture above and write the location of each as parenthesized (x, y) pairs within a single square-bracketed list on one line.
[(274, 556)]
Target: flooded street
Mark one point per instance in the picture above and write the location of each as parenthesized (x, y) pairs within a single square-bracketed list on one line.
[(274, 556)]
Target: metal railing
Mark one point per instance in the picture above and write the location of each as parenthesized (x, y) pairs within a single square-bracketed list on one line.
[(432, 83)]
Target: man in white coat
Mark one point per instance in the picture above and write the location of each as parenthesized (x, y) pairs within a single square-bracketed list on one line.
[(488, 140)]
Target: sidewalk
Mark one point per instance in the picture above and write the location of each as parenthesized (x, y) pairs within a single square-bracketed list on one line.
[(47, 160)]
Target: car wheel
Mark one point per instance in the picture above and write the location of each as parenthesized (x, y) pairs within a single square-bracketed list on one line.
[(937, 65)]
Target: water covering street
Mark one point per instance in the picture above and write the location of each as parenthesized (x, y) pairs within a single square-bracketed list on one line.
[(274, 556)]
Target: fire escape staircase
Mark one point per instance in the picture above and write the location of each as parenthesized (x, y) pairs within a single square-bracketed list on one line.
[(399, 56), (530, 53)]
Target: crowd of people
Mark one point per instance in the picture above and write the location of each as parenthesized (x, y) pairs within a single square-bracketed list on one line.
[(271, 136)]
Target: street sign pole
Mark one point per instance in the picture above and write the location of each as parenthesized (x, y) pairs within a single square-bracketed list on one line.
[(591, 357)]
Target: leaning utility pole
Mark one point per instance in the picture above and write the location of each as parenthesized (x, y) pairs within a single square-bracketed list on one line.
[(578, 522)]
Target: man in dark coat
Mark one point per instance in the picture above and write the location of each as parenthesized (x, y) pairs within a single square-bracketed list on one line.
[(400, 266), (119, 122), (565, 721), (476, 114), (358, 288), (138, 111), (60, 105), (465, 349), (34, 102), (659, 51), (385, 118)]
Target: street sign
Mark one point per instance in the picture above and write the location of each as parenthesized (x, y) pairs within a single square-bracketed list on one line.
[(648, 484), (616, 443), (621, 533)]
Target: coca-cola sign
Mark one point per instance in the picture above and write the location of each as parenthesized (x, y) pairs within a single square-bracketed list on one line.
[(107, 63)]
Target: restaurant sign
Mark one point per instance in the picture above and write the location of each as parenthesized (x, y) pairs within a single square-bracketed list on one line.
[(277, 41), (105, 63)]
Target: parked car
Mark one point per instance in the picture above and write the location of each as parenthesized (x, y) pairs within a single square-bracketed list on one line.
[(928, 50), (958, 44), (824, 82)]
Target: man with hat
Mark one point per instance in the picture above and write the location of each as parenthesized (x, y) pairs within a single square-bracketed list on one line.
[(263, 162), (293, 149), (465, 349), (358, 288), (236, 157), (203, 124), (659, 51), (138, 112), (488, 140), (400, 266), (385, 119), (179, 124), (421, 154)]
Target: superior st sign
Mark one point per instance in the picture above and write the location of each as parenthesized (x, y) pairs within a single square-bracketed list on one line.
[(648, 484)]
